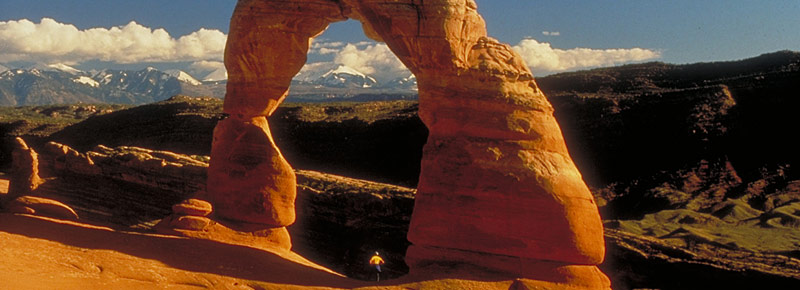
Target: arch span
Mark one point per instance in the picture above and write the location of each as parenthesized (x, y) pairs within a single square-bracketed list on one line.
[(498, 190)]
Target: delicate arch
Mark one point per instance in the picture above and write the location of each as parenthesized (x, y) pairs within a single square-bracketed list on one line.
[(498, 188)]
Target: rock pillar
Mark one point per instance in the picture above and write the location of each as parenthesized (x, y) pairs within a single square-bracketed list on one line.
[(498, 189), (24, 177), (249, 181)]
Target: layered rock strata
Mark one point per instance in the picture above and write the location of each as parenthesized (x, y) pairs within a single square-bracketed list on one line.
[(498, 190)]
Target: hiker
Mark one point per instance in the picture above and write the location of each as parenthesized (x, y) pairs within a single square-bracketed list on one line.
[(377, 261)]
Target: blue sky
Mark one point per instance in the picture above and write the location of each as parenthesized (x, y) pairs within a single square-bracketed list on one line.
[(551, 36)]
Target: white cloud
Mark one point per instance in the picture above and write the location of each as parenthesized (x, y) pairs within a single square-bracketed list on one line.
[(543, 58), (51, 41)]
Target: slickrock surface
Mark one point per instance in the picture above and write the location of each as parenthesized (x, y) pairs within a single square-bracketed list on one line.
[(497, 183)]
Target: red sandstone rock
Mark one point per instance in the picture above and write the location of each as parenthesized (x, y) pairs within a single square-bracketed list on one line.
[(192, 207), (248, 178), (24, 177), (41, 206), (62, 157), (194, 223), (20, 209), (497, 182)]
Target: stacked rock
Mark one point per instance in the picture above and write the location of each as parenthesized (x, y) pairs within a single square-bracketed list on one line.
[(191, 214)]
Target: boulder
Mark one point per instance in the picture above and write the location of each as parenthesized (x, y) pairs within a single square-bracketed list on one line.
[(192, 207), (41, 206)]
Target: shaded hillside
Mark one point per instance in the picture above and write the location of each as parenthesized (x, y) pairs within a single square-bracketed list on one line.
[(612, 117), (657, 76), (375, 140), (36, 123), (379, 141), (705, 131), (180, 124)]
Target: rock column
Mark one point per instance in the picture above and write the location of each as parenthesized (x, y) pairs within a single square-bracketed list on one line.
[(498, 190), (249, 181)]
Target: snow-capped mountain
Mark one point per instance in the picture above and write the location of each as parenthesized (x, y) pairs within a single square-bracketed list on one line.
[(59, 83), (407, 83), (44, 85), (335, 76), (86, 81), (40, 84), (55, 67), (183, 76)]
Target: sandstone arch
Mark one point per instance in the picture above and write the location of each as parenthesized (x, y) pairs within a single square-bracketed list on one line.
[(498, 190)]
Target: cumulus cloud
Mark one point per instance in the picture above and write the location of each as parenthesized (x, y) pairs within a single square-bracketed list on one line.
[(543, 58), (51, 41)]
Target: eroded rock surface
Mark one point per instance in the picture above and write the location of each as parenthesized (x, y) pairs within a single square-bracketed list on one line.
[(25, 177), (497, 187)]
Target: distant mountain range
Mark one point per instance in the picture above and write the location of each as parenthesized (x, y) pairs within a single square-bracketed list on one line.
[(61, 84), (43, 84)]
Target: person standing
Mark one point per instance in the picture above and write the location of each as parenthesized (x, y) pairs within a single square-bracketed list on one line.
[(377, 261)]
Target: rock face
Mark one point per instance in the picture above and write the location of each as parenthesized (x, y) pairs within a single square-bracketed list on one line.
[(498, 189), (24, 186), (25, 176)]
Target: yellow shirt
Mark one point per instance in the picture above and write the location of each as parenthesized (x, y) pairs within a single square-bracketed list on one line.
[(376, 260)]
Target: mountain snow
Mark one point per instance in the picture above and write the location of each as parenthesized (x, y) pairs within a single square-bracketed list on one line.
[(342, 69), (313, 71), (65, 68), (183, 76), (87, 81), (150, 84), (409, 82), (56, 67), (334, 75)]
